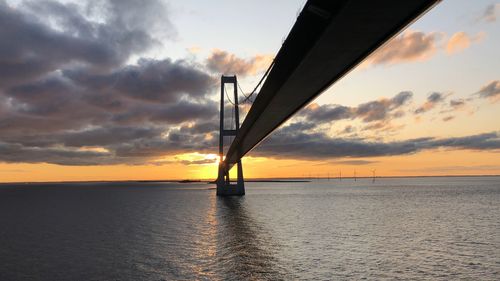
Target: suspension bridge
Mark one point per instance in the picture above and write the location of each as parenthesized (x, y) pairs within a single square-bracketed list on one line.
[(328, 39)]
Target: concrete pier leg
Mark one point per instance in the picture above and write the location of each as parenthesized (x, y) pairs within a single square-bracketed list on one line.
[(224, 185)]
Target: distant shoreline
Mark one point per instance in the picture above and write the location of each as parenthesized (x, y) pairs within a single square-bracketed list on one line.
[(291, 179)]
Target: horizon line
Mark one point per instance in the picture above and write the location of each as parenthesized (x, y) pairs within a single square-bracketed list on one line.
[(208, 180)]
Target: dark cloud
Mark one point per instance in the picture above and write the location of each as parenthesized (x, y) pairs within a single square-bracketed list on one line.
[(401, 99), (49, 97), (432, 100), (65, 102), (354, 162), (106, 136), (435, 97), (62, 70), (16, 153), (453, 106), (99, 137), (75, 91), (149, 135), (68, 95), (150, 80), (174, 143), (187, 111), (492, 168), (378, 110), (315, 146), (330, 112), (490, 13), (491, 90), (374, 111), (448, 118), (198, 162), (457, 103), (104, 146), (298, 126), (487, 141), (35, 47), (348, 129), (375, 126), (202, 127)]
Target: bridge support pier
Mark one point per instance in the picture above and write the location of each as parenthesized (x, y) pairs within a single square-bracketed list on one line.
[(224, 185)]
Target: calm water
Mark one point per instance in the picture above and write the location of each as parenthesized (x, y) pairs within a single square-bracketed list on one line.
[(432, 228)]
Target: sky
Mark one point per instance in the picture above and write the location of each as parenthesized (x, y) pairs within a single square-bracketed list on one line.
[(127, 90)]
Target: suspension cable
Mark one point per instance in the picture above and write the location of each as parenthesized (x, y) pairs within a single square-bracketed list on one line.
[(232, 111), (232, 118), (227, 96), (247, 98), (243, 93), (260, 82)]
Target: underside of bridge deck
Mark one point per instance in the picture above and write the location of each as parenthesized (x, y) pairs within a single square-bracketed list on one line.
[(328, 40)]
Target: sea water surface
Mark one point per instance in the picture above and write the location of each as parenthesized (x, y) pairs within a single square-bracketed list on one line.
[(396, 229)]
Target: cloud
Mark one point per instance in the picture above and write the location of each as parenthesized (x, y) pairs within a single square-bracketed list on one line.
[(461, 40), (457, 103), (410, 46), (448, 118), (223, 62), (432, 100), (490, 13), (16, 153), (151, 92), (75, 90), (348, 129), (353, 162), (401, 99), (317, 146), (492, 168), (69, 96), (149, 80), (327, 112), (379, 110), (491, 90), (45, 36), (374, 126), (378, 114), (106, 136), (198, 162), (202, 127), (413, 46)]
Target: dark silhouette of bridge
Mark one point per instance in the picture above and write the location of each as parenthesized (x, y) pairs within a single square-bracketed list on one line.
[(328, 40)]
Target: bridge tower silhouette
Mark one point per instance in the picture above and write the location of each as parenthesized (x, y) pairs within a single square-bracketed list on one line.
[(224, 185)]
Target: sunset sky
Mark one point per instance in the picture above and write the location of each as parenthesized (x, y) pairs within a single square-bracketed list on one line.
[(125, 90)]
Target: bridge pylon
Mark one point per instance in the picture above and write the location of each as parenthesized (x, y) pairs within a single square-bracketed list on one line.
[(224, 185)]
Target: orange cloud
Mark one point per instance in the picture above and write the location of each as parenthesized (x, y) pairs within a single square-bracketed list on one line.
[(223, 62), (413, 46), (408, 47), (461, 41)]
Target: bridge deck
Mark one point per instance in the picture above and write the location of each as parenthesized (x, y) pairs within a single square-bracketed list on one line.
[(328, 39)]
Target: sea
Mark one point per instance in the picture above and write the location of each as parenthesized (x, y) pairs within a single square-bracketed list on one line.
[(428, 228)]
